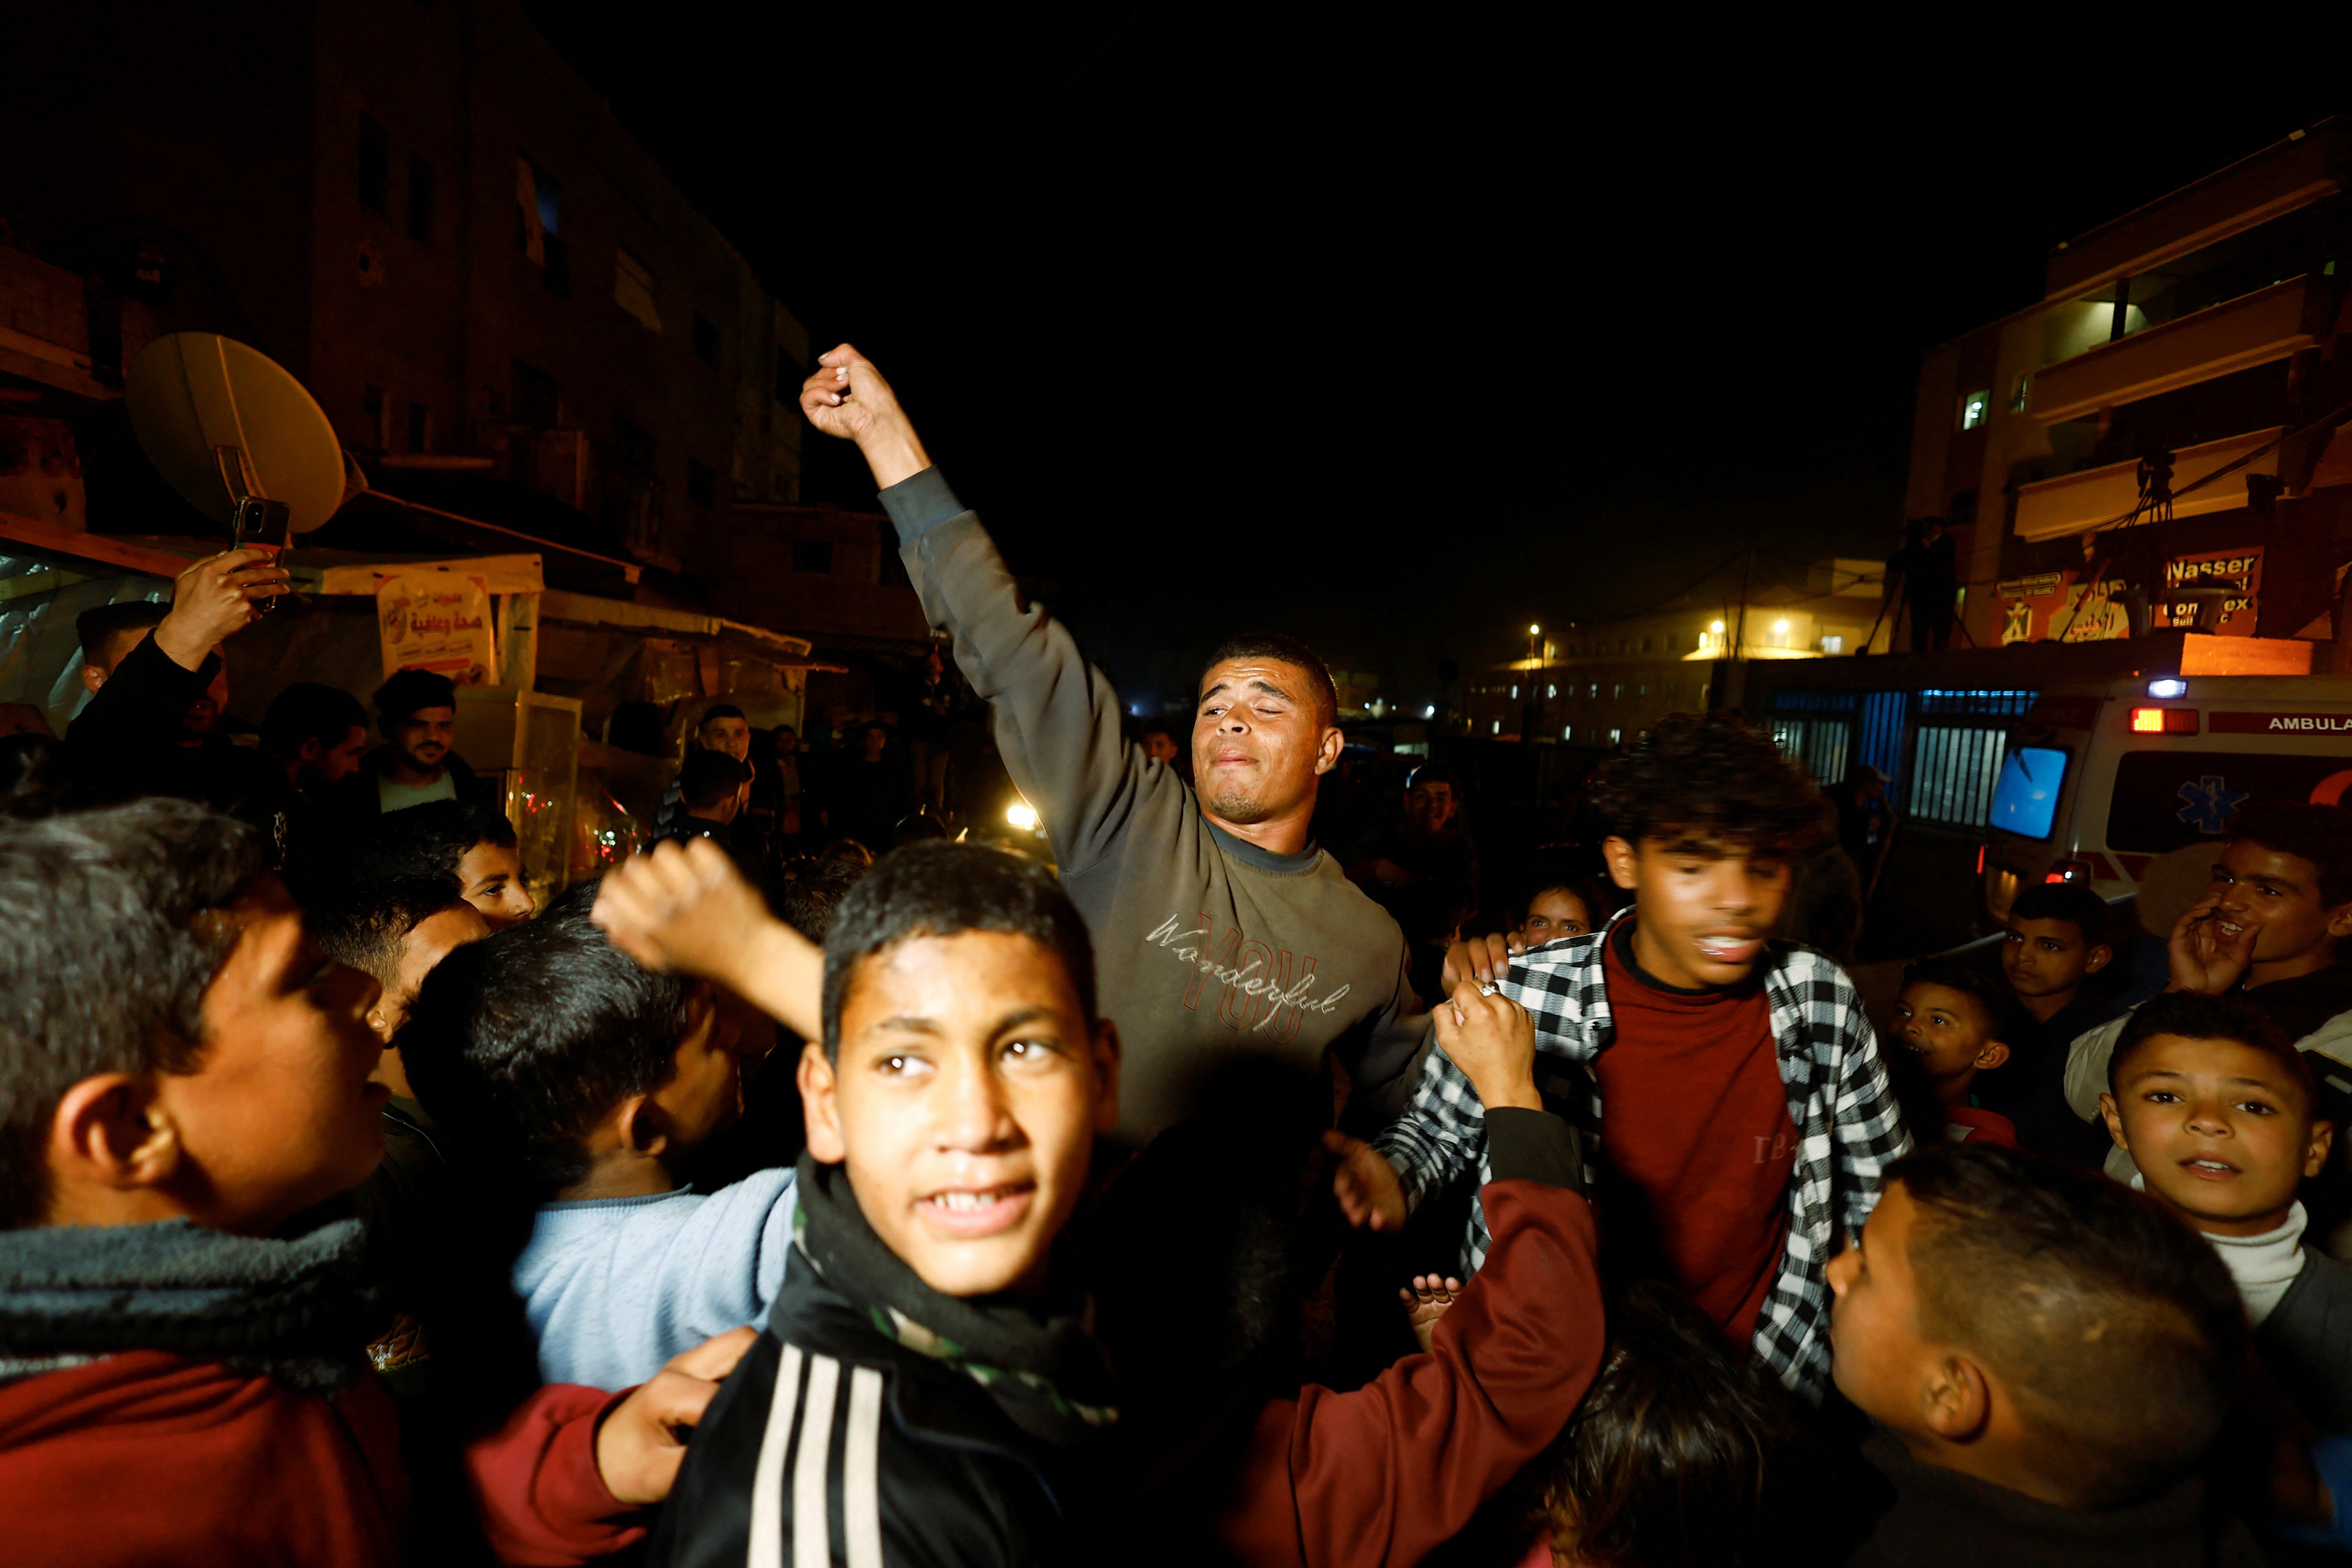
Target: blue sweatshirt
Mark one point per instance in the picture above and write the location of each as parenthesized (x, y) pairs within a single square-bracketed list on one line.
[(615, 1287)]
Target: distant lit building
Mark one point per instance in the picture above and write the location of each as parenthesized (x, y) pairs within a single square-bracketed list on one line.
[(2194, 345), (1604, 683)]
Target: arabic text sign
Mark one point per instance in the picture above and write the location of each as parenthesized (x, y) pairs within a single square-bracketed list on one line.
[(439, 621)]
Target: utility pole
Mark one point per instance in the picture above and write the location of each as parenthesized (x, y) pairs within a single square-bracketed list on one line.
[(1739, 636)]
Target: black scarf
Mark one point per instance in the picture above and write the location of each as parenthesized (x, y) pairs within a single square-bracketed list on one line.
[(1041, 1364), (295, 1311)]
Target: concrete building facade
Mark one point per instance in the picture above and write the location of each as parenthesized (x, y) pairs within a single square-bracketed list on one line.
[(2195, 347), (424, 214)]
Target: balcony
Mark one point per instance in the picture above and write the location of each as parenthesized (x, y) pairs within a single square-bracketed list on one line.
[(2071, 504), (2237, 334)]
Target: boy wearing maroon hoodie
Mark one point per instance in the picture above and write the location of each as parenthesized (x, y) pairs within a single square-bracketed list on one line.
[(182, 1376)]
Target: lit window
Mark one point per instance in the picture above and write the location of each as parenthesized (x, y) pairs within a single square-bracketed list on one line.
[(1974, 407), (1568, 732), (1594, 690), (1644, 692), (1515, 693), (1617, 692), (1498, 726), (2023, 395), (1551, 691), (1834, 645), (633, 288), (1616, 737)]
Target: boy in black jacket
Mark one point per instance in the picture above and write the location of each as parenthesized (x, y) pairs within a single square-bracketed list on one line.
[(927, 1375), (2047, 1356)]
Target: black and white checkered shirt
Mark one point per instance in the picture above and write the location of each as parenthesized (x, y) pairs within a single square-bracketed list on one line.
[(1848, 1129)]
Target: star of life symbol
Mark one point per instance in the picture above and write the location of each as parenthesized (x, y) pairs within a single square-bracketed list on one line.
[(2209, 803)]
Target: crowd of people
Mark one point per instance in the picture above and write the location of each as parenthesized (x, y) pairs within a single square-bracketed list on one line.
[(1197, 1199)]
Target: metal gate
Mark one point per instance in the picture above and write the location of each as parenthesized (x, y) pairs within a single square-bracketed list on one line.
[(1953, 770)]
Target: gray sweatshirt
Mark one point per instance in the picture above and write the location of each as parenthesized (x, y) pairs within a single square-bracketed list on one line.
[(1229, 970)]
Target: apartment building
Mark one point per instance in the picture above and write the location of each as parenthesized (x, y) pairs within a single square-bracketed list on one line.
[(422, 212), (1604, 683), (2155, 444)]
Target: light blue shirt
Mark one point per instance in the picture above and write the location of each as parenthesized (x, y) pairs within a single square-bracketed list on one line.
[(615, 1287)]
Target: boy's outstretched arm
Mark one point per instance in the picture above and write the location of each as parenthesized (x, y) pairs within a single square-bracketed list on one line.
[(685, 910), (564, 1480), (1387, 1473)]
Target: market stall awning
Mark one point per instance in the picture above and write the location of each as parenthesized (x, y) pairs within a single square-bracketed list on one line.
[(621, 614)]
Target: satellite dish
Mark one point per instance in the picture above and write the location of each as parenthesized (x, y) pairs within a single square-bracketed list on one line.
[(222, 421)]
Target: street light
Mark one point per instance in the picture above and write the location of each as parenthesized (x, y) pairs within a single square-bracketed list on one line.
[(1533, 632)]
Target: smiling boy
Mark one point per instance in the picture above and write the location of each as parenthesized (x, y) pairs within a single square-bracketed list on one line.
[(926, 1375), (2269, 928), (1744, 1111)]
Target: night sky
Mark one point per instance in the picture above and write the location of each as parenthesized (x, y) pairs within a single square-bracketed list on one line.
[(1400, 334)]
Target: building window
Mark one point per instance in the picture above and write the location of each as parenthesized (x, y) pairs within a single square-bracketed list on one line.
[(706, 340), (539, 223), (813, 556), (375, 165), (2023, 395), (1515, 694), (420, 428), (701, 484), (633, 447), (420, 199), (537, 398), (371, 410), (1551, 691), (1567, 731), (1617, 692), (1593, 690), (1834, 645), (1974, 407), (1645, 645), (1671, 642), (790, 374), (1616, 737), (633, 288), (1498, 727)]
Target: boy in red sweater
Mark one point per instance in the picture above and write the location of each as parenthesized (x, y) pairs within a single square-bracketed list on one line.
[(182, 1377), (1747, 1114)]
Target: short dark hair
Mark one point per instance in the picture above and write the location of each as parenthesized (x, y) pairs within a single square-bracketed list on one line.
[(99, 627), (1714, 776), (2117, 1329), (706, 778), (1672, 1457), (2003, 1015), (363, 923), (410, 690), (2069, 901), (106, 962), (307, 710), (719, 711), (426, 840), (2194, 1015), (1288, 650), (807, 902), (518, 1043), (2319, 833), (935, 888)]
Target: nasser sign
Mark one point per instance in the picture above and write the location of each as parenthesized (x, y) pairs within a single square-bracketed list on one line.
[(2216, 592)]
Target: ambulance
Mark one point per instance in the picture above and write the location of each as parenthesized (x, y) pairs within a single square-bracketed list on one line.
[(2102, 778)]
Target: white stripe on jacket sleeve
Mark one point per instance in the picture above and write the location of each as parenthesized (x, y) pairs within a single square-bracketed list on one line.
[(861, 1498), (811, 1519), (768, 1475)]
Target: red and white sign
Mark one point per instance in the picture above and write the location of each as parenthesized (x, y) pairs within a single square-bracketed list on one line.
[(2267, 723)]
